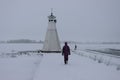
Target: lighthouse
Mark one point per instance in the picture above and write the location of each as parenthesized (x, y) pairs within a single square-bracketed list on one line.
[(51, 43)]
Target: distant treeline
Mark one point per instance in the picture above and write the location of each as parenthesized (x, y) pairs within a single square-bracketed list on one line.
[(73, 42), (40, 41), (21, 41)]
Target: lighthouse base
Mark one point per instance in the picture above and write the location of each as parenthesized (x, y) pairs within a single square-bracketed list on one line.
[(51, 51)]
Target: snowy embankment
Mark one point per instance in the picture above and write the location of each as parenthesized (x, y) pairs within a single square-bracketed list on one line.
[(107, 59), (14, 66)]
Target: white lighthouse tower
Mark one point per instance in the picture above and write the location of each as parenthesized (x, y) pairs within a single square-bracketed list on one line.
[(51, 43)]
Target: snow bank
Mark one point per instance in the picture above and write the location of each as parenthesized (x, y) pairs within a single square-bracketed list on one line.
[(108, 59), (20, 67)]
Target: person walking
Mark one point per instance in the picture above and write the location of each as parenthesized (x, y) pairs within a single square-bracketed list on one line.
[(75, 47), (66, 52)]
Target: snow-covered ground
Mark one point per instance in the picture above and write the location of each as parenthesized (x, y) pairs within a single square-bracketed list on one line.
[(79, 68), (19, 67), (83, 65)]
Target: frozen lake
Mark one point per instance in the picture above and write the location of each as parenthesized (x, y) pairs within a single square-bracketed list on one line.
[(18, 47), (24, 47)]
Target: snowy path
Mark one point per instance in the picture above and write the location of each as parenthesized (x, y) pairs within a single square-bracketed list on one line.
[(79, 68)]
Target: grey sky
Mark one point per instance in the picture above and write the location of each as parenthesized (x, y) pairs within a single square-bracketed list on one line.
[(77, 20)]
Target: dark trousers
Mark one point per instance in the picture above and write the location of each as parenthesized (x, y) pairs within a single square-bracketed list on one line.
[(65, 59)]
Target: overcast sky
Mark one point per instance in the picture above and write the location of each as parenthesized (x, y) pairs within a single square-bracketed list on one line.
[(77, 20)]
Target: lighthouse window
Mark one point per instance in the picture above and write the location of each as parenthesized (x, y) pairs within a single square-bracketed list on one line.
[(50, 20)]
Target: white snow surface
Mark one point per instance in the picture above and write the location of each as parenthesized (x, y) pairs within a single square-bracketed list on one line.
[(51, 66), (19, 68), (79, 68)]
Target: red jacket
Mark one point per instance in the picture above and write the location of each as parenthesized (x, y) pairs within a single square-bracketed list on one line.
[(66, 50)]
